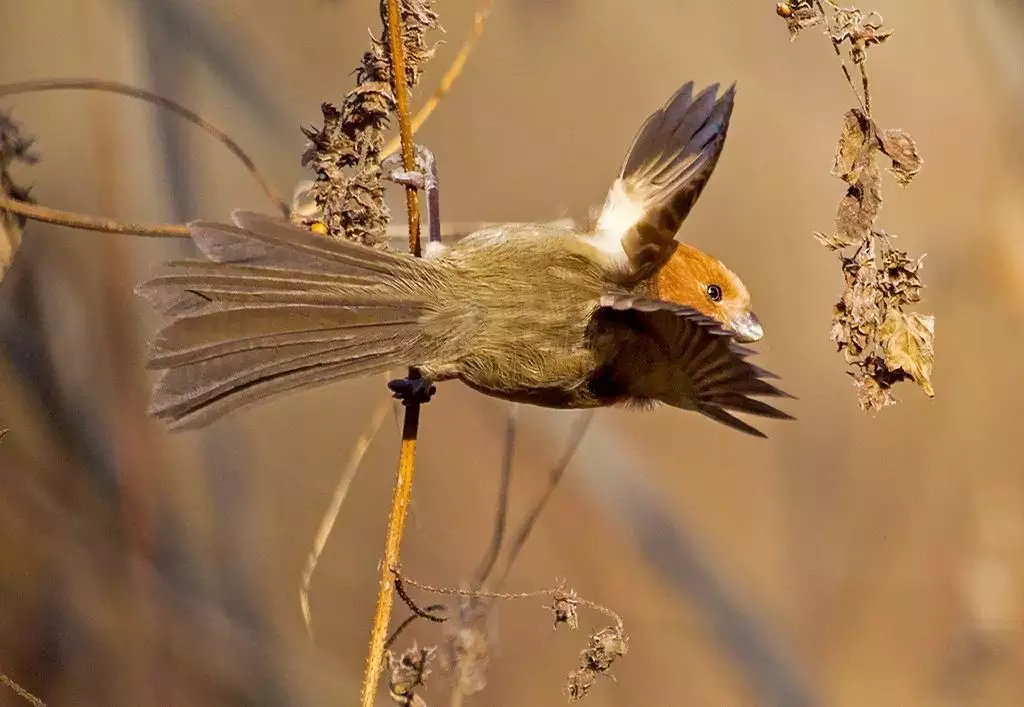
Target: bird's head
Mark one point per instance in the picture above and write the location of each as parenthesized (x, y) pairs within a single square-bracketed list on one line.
[(695, 279)]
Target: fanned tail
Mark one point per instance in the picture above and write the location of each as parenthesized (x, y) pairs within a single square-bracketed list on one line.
[(278, 309)]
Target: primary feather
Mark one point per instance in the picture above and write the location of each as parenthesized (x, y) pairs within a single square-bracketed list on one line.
[(670, 161)]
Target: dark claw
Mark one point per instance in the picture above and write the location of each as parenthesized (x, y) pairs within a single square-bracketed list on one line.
[(412, 390)]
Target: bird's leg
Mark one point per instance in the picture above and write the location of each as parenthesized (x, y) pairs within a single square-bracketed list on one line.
[(419, 385), (412, 389), (423, 177)]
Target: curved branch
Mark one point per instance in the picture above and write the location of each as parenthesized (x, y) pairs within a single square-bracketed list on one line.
[(79, 84), (89, 223)]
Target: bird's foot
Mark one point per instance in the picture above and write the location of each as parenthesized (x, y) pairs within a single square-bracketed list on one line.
[(423, 177), (412, 390)]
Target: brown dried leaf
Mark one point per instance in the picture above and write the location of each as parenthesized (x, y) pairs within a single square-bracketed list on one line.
[(908, 342), (833, 242), (15, 148), (859, 207), (902, 150), (856, 146), (870, 395), (10, 239), (898, 279), (861, 30)]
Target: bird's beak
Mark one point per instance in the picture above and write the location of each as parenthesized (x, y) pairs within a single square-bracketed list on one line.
[(747, 328)]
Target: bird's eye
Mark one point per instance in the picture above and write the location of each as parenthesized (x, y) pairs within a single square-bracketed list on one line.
[(714, 293)]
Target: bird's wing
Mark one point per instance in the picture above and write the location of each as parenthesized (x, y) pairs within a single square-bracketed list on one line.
[(707, 368), (665, 170)]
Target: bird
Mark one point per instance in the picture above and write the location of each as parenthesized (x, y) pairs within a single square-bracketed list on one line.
[(618, 313)]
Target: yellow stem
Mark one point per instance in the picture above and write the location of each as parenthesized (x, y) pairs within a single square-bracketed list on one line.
[(410, 429)]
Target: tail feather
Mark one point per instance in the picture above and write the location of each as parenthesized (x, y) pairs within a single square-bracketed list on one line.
[(257, 239), (180, 286), (194, 416), (184, 388), (279, 309), (194, 332), (161, 359)]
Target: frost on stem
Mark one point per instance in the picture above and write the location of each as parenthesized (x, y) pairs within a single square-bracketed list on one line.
[(345, 152), (15, 149)]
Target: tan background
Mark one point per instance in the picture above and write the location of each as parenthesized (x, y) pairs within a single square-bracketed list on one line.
[(850, 560)]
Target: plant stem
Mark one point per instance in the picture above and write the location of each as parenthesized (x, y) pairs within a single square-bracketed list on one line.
[(410, 429)]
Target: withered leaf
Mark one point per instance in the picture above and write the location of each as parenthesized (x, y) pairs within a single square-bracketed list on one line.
[(870, 395), (10, 239), (15, 148), (898, 278), (857, 143), (902, 150), (861, 30), (908, 343), (859, 207), (832, 242)]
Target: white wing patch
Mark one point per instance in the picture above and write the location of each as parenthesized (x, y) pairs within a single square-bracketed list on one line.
[(620, 213)]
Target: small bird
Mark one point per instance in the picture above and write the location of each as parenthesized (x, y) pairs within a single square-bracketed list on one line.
[(545, 314)]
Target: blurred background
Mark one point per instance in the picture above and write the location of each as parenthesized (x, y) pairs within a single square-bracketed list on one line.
[(849, 560)]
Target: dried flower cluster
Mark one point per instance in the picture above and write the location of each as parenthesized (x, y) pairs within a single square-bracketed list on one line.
[(596, 660), (15, 148), (882, 342), (345, 152), (469, 642), (408, 672)]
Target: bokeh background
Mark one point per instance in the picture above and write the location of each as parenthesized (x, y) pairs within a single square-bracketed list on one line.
[(850, 560)]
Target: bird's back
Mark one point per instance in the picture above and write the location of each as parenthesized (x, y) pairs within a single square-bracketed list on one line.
[(521, 297)]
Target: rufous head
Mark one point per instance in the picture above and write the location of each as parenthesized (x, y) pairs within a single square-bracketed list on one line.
[(695, 279)]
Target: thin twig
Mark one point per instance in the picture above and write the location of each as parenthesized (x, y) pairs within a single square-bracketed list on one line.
[(89, 223), (421, 613), (445, 85), (81, 84), (579, 428), (410, 429), (501, 515), (21, 692), (340, 492), (839, 53), (412, 619), (486, 594)]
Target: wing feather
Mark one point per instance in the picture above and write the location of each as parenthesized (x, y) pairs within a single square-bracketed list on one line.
[(670, 161), (697, 360)]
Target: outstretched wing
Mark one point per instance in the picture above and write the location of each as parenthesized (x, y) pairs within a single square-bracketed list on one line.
[(665, 170), (683, 358)]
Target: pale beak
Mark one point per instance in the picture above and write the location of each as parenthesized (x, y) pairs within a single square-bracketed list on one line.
[(747, 328)]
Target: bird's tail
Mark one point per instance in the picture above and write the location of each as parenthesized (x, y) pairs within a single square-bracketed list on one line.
[(277, 308)]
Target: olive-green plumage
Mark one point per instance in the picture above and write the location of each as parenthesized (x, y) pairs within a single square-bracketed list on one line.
[(540, 314)]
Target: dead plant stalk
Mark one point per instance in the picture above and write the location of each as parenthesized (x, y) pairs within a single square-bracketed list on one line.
[(410, 429)]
